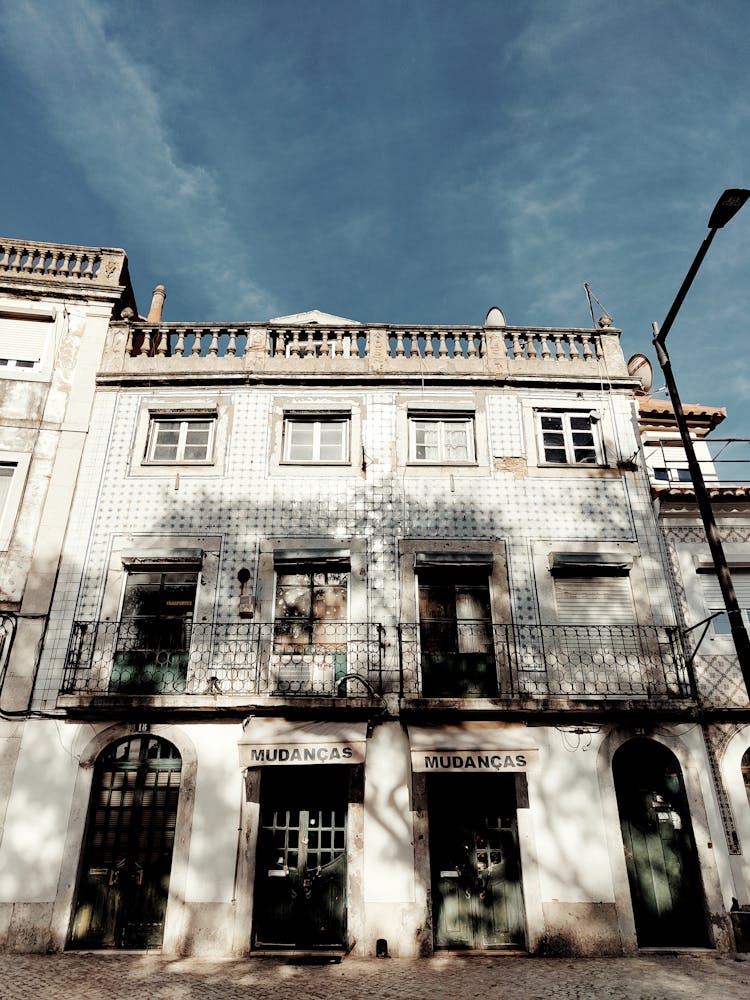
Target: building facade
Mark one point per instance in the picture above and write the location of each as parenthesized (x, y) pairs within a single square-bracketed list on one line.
[(360, 638)]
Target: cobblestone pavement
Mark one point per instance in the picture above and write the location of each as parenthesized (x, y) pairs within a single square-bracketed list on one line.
[(121, 977)]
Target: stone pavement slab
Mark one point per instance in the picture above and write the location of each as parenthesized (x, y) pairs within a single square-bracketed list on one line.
[(82, 976)]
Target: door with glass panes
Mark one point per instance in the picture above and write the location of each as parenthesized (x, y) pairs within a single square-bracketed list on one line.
[(301, 868), (153, 640), (455, 633), (127, 856), (477, 899)]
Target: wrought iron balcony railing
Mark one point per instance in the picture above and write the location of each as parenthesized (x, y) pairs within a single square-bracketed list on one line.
[(447, 660), (479, 660), (224, 658)]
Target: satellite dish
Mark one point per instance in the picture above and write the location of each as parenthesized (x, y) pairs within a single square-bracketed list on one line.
[(640, 367)]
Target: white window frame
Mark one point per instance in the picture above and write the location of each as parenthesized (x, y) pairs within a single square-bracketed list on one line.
[(48, 319), (567, 432), (441, 419), (317, 420), (19, 462), (183, 420)]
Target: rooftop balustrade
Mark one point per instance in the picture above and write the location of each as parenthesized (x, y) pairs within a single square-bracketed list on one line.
[(50, 262), (171, 351)]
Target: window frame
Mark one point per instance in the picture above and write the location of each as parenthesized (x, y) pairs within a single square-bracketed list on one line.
[(19, 462), (317, 419), (183, 420), (442, 418), (47, 314), (567, 431)]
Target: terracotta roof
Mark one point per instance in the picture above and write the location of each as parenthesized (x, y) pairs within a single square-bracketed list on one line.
[(715, 492), (660, 413)]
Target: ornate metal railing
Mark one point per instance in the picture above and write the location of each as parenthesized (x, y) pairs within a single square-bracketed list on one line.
[(224, 658), (466, 660), (517, 661)]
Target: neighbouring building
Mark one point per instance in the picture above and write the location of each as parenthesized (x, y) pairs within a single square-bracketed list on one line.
[(349, 637)]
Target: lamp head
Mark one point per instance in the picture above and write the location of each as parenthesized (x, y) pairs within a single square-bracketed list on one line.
[(727, 207)]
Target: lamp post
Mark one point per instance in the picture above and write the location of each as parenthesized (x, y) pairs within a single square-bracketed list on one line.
[(726, 207)]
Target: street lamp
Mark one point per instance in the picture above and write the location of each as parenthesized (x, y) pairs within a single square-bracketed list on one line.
[(726, 207)]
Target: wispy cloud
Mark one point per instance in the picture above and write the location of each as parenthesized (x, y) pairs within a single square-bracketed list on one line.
[(106, 110)]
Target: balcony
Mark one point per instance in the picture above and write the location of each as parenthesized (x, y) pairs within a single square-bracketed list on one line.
[(518, 662), (227, 664), (222, 660)]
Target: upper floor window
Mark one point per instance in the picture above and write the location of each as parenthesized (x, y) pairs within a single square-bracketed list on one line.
[(13, 469), (321, 438), (181, 440), (441, 438), (569, 438), (714, 599), (23, 339)]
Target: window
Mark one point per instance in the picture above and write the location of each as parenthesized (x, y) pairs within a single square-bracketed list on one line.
[(455, 631), (321, 439), (181, 440), (714, 600), (153, 642), (14, 467), (311, 605), (441, 438), (7, 471), (675, 475), (23, 339), (569, 438)]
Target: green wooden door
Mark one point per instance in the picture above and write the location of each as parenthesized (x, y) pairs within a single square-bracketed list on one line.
[(477, 899), (301, 869), (127, 858), (662, 864)]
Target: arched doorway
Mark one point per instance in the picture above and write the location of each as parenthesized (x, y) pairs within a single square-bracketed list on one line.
[(662, 863), (127, 856)]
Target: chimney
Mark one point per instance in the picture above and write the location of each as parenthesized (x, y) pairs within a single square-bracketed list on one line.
[(157, 304)]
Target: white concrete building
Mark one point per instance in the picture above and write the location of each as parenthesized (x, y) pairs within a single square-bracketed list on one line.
[(363, 637)]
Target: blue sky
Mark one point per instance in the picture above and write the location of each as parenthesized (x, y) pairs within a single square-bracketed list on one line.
[(397, 160)]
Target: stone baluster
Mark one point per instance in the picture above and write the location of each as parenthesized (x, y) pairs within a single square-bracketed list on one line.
[(129, 343), (530, 347), (213, 347), (559, 349), (4, 261), (599, 348), (414, 349), (365, 342), (162, 343), (65, 269), (280, 343), (544, 346), (588, 354), (179, 347), (197, 341), (429, 350), (40, 262), (29, 262), (232, 345), (573, 347), (339, 347), (516, 346), (325, 343), (294, 347), (146, 344), (400, 352), (76, 269), (442, 346), (17, 257), (471, 344)]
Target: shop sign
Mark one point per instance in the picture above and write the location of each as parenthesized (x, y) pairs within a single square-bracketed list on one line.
[(260, 755), (473, 761)]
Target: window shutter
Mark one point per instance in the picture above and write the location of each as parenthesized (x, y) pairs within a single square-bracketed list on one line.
[(712, 591), (594, 600), (24, 339)]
